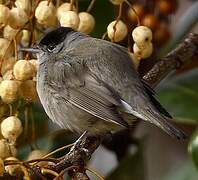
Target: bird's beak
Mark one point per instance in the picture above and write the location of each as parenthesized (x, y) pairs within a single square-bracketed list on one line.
[(32, 50)]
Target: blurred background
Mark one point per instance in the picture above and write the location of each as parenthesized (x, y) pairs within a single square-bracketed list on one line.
[(145, 153)]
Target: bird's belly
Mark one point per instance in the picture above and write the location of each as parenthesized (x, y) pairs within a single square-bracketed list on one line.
[(77, 120), (71, 117)]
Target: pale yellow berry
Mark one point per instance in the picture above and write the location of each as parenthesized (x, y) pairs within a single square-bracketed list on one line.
[(11, 128), (12, 169), (24, 4), (10, 33), (7, 64), (6, 48), (116, 2), (8, 75), (4, 15), (135, 60), (6, 149), (144, 52), (63, 8), (34, 62), (87, 22), (2, 168), (142, 35), (25, 39), (37, 154), (9, 90), (17, 18), (46, 13), (23, 70), (70, 19), (28, 91), (119, 32)]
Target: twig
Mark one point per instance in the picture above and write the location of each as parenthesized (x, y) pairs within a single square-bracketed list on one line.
[(95, 173), (49, 171), (136, 15), (58, 150), (90, 6), (117, 20), (173, 60), (72, 2), (15, 49)]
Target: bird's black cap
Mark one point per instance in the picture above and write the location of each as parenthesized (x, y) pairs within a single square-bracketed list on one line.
[(55, 36)]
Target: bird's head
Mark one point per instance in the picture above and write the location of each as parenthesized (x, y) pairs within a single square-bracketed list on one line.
[(51, 43)]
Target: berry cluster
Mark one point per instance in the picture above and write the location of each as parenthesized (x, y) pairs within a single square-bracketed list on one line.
[(155, 15)]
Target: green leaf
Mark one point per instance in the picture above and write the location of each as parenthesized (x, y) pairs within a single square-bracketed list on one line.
[(130, 168), (179, 95), (193, 148)]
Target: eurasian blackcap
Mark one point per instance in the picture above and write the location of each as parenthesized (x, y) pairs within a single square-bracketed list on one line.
[(89, 84)]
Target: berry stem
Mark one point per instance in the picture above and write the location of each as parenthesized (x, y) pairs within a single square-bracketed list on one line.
[(104, 35), (138, 19), (90, 6), (72, 2), (48, 2), (117, 19), (15, 49)]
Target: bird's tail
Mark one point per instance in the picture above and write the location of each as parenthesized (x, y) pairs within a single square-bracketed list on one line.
[(162, 122), (152, 115)]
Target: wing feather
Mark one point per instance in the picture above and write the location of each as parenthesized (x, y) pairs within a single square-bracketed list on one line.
[(88, 93)]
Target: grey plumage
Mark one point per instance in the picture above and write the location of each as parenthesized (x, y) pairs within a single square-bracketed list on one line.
[(91, 84)]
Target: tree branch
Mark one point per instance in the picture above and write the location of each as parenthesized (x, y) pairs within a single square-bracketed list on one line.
[(173, 60)]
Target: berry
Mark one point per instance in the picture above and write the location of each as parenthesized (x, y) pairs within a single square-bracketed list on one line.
[(45, 13), (23, 70), (70, 19), (119, 33), (87, 22), (11, 128), (9, 90), (144, 52), (142, 35)]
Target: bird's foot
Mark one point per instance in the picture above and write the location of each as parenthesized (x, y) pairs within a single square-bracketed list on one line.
[(78, 145)]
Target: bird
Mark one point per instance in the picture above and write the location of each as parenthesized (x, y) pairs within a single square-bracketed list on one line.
[(90, 85)]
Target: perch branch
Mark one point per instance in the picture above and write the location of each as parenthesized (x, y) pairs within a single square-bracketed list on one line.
[(178, 57)]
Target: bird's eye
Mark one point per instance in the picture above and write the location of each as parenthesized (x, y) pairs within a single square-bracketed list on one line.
[(50, 47)]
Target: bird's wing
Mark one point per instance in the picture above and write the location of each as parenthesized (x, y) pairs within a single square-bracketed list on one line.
[(87, 93), (151, 94), (112, 65)]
